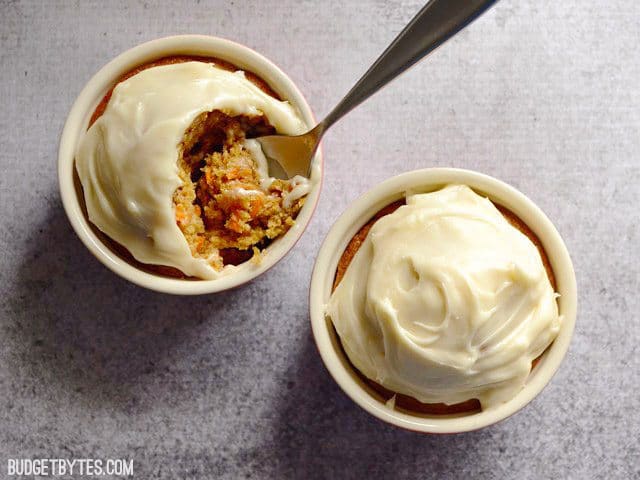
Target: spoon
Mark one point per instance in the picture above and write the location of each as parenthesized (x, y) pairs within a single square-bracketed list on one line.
[(434, 24)]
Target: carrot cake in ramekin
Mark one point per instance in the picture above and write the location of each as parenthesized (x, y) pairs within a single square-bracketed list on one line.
[(171, 174), (443, 302)]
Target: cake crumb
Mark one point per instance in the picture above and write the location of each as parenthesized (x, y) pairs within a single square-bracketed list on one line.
[(257, 256), (221, 203)]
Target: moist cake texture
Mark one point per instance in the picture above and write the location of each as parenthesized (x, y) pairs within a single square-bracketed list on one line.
[(225, 206), (170, 171)]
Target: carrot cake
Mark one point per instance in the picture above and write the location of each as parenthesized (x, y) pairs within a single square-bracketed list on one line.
[(443, 302), (170, 169)]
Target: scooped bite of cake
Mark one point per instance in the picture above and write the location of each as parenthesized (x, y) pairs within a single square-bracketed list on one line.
[(169, 170)]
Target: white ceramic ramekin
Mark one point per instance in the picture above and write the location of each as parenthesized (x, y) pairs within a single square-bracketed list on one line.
[(359, 213), (78, 120)]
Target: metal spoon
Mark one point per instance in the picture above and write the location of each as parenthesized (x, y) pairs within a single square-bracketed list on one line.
[(434, 24)]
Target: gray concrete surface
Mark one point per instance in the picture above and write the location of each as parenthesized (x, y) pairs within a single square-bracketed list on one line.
[(544, 95)]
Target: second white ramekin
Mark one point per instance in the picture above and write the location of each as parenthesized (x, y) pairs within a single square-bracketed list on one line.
[(359, 213)]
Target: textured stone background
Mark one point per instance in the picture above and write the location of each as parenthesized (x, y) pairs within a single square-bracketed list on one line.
[(544, 95)]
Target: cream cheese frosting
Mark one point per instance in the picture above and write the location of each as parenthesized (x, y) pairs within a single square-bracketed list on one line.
[(446, 301), (127, 160)]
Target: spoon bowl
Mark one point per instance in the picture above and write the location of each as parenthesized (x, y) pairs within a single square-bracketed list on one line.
[(433, 25)]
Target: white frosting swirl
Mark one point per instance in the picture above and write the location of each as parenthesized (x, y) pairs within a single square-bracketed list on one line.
[(446, 301), (127, 160)]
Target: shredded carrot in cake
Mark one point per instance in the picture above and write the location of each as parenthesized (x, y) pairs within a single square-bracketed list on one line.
[(221, 205)]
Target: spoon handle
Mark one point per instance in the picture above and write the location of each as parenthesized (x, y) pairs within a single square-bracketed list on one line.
[(434, 24)]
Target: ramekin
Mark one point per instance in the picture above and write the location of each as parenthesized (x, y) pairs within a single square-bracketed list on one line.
[(359, 213), (77, 123)]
